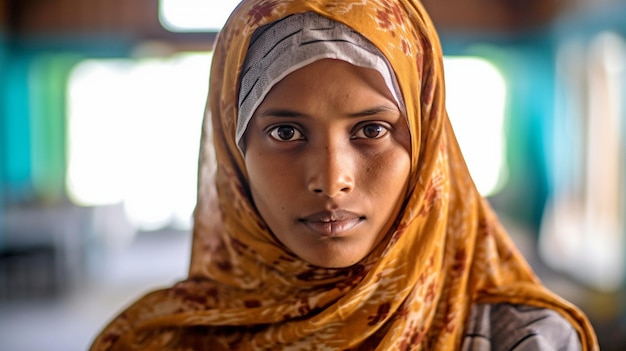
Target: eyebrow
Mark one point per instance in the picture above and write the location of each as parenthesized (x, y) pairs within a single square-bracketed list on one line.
[(374, 111), (281, 112)]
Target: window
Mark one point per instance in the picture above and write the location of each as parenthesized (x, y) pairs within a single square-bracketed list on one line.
[(476, 95), (133, 135), (195, 15), (134, 131)]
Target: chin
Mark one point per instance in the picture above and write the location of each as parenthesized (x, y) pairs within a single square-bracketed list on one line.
[(334, 263)]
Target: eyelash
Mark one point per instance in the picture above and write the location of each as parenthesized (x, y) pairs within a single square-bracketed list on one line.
[(273, 133), (382, 130), (358, 134)]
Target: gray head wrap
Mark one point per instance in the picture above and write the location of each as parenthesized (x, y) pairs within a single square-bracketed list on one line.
[(282, 47)]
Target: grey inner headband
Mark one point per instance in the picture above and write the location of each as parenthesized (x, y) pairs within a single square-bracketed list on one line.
[(278, 49)]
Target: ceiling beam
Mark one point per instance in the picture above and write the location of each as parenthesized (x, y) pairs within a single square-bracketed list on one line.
[(137, 20)]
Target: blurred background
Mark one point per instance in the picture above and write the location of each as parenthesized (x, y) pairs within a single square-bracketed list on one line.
[(101, 103)]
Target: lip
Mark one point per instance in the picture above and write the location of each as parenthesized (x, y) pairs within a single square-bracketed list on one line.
[(331, 223)]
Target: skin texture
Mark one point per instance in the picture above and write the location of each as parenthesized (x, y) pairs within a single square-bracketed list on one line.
[(328, 160)]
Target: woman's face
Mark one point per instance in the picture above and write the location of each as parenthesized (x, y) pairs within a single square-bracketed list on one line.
[(327, 154)]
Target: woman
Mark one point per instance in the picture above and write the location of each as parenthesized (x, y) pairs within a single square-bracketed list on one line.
[(341, 215)]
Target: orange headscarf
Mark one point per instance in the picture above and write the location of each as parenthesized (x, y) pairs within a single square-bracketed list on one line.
[(246, 291)]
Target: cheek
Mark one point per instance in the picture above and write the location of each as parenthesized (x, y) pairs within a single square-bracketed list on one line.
[(387, 177), (271, 185)]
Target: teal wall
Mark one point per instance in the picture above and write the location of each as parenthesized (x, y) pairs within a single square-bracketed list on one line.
[(33, 91), (526, 62)]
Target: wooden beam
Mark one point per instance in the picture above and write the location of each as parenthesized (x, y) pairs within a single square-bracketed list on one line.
[(131, 20), (492, 15), (4, 17), (138, 19)]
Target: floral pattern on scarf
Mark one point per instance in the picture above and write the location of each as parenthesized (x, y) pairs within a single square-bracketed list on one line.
[(246, 291)]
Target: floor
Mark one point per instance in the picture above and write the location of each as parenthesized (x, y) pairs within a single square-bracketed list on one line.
[(70, 322)]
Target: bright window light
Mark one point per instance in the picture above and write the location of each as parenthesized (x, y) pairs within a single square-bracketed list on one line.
[(476, 93), (134, 132), (195, 15)]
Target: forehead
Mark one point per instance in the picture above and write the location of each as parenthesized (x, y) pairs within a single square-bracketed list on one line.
[(332, 79)]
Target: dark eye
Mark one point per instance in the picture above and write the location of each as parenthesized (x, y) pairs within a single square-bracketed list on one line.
[(285, 133), (371, 131)]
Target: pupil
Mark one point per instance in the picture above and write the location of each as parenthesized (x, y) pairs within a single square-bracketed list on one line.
[(372, 130), (285, 133)]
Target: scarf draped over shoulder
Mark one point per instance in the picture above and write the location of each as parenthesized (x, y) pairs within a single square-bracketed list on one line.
[(414, 291)]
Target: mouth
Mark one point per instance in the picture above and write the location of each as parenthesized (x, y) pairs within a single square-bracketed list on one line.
[(331, 223)]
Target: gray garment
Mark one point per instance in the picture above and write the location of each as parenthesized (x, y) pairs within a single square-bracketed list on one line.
[(505, 327)]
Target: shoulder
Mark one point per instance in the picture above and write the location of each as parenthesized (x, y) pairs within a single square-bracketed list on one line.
[(508, 327)]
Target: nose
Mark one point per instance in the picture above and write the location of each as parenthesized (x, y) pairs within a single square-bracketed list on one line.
[(331, 171)]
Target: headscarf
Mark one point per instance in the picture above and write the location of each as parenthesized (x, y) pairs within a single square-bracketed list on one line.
[(280, 48), (414, 291)]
